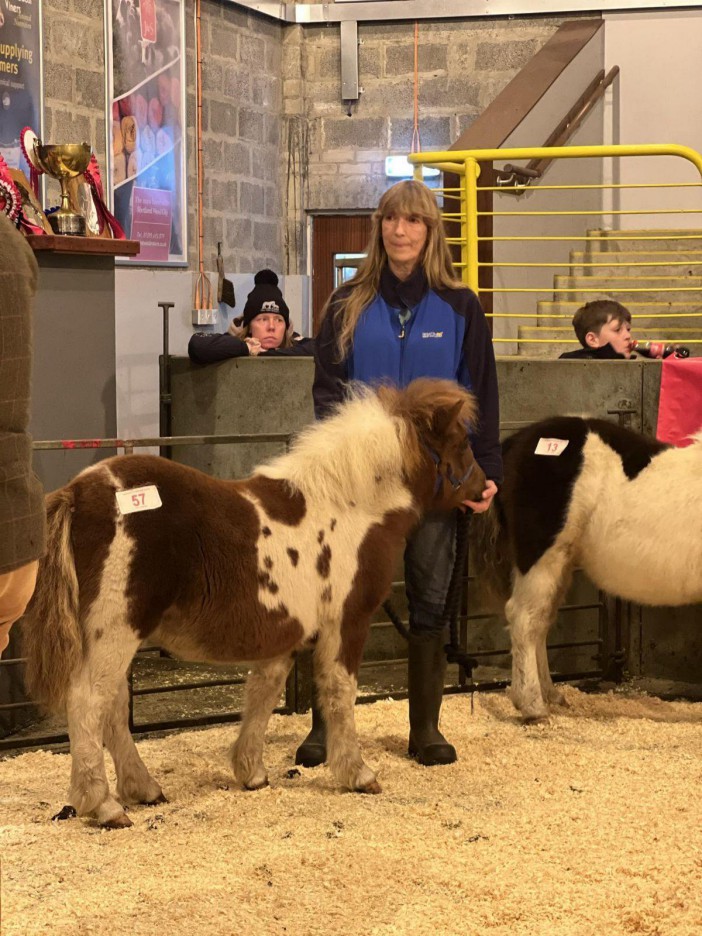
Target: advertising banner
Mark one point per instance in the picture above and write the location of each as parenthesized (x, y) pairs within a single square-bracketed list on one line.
[(146, 109), (20, 76)]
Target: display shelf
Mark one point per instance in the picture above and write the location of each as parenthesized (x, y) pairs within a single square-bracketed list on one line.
[(68, 244)]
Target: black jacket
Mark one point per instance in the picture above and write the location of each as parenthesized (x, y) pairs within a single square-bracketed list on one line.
[(605, 353), (209, 348)]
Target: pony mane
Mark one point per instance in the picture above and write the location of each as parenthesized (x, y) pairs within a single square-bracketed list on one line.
[(340, 458), (373, 438)]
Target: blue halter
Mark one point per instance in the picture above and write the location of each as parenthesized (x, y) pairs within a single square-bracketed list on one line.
[(455, 482)]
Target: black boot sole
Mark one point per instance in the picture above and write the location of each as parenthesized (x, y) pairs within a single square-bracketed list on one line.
[(433, 755)]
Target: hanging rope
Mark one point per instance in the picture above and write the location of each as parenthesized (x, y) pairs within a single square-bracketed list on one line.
[(202, 298), (416, 142)]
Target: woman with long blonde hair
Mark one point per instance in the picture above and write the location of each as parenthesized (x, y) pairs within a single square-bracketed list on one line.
[(404, 315)]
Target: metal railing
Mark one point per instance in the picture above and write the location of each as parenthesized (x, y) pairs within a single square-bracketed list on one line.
[(527, 268)]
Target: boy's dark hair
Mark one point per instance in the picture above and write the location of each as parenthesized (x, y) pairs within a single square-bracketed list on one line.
[(593, 315)]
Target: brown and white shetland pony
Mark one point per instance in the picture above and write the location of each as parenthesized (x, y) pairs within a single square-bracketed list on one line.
[(590, 494), (301, 552)]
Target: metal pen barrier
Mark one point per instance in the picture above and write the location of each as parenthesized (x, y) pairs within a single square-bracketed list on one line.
[(666, 308)]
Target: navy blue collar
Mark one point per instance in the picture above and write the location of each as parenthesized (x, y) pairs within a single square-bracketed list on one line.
[(403, 294)]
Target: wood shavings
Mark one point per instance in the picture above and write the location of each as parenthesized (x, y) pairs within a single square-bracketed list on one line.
[(590, 824)]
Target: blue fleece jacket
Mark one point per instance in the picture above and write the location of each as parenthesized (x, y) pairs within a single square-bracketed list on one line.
[(445, 336)]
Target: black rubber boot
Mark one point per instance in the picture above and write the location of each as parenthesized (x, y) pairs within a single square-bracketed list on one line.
[(426, 669), (313, 750)]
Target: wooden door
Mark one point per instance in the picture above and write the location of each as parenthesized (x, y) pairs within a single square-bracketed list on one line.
[(333, 235)]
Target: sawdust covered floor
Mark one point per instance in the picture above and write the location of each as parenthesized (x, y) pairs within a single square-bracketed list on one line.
[(587, 826)]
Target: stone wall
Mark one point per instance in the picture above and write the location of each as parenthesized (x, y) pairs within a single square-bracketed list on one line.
[(462, 66), (242, 106), (74, 76), (278, 141)]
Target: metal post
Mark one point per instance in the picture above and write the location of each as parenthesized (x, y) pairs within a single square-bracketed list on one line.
[(165, 382), (469, 225)]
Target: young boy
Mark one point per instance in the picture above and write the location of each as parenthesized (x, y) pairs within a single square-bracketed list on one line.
[(603, 327)]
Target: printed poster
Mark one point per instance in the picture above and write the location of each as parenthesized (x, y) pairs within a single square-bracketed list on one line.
[(146, 109), (20, 76)]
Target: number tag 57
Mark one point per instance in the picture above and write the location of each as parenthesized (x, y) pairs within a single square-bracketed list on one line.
[(134, 500)]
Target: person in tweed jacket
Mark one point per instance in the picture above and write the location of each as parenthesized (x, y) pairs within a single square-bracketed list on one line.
[(22, 516)]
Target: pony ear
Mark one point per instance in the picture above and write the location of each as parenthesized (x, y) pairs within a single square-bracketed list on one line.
[(446, 416)]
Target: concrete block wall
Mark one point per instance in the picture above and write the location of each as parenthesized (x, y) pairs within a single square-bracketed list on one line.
[(241, 122), (74, 77), (462, 66), (242, 119), (278, 141)]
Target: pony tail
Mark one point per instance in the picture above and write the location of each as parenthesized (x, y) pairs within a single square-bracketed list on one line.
[(490, 556), (50, 628)]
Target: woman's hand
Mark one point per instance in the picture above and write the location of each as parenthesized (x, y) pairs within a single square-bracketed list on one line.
[(482, 505), (254, 346)]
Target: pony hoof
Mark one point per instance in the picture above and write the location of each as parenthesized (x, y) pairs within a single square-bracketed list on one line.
[(558, 698), (535, 720), (373, 787), (257, 784), (156, 802), (118, 822)]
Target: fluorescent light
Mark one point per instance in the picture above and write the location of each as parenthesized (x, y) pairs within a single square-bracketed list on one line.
[(399, 167)]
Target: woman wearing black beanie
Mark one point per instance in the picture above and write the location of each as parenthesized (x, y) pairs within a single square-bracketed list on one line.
[(263, 329)]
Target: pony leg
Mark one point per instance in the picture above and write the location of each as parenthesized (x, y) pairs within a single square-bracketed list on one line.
[(530, 612), (337, 685), (90, 695), (134, 782), (264, 687), (551, 694)]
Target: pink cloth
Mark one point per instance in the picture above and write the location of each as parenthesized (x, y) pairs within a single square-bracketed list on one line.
[(680, 404)]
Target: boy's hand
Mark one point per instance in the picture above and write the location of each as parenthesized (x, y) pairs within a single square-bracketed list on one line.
[(482, 505)]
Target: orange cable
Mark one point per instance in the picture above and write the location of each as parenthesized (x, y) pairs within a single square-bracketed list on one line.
[(416, 142), (201, 280)]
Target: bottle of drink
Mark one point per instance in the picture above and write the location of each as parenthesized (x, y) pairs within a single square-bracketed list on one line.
[(658, 349)]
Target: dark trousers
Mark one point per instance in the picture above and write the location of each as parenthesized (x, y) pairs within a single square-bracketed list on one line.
[(429, 560)]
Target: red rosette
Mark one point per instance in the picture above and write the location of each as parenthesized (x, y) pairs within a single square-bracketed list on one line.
[(10, 199), (27, 140), (92, 174), (94, 179)]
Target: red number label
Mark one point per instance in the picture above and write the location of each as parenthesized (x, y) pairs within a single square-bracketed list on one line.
[(138, 499)]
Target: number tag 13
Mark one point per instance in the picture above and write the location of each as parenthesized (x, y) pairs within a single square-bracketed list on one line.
[(134, 500), (550, 446)]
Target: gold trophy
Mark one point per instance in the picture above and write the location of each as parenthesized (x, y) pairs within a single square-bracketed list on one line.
[(64, 161)]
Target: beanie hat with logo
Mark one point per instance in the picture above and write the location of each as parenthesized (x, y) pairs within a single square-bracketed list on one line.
[(265, 297)]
